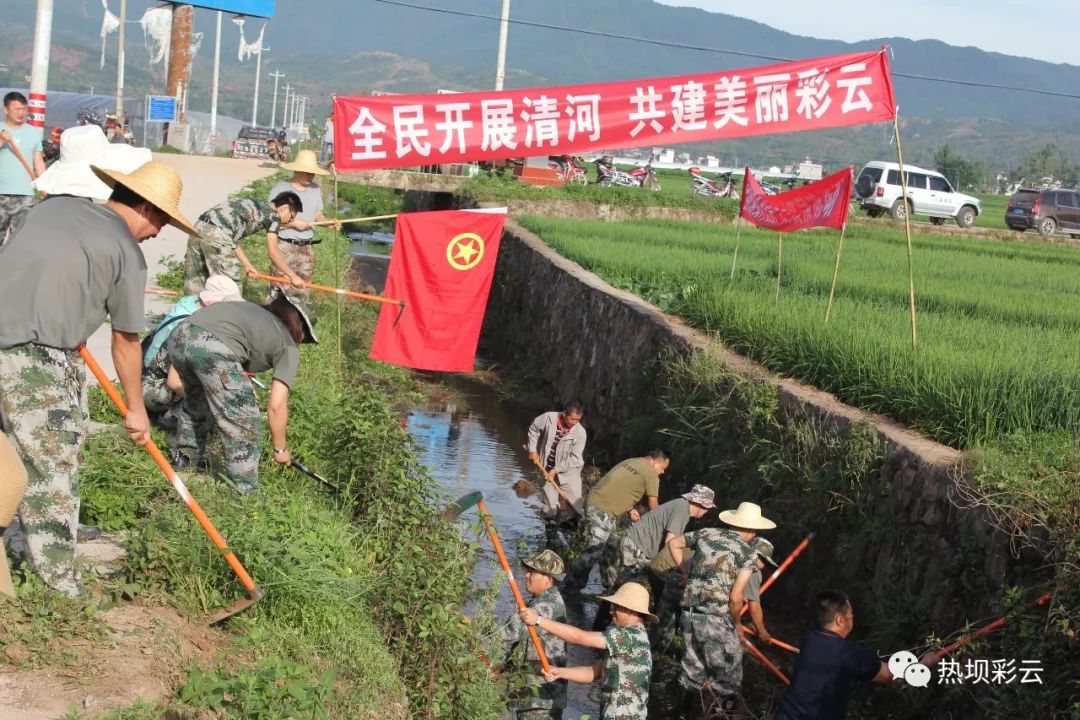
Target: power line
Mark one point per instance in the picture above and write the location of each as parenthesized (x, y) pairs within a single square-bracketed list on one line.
[(723, 51)]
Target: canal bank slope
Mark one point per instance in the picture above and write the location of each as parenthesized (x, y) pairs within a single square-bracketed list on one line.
[(898, 519)]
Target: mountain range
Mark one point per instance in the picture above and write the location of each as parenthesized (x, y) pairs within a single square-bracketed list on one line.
[(354, 46)]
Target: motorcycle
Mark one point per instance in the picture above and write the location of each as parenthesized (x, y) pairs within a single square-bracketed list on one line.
[(608, 175), (567, 169), (701, 185), (646, 176)]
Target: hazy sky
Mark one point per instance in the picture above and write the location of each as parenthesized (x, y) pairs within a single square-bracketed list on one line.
[(1043, 29)]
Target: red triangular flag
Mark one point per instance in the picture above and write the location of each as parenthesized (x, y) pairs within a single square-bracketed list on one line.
[(441, 266)]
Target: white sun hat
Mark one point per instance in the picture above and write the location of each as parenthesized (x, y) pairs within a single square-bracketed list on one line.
[(80, 147)]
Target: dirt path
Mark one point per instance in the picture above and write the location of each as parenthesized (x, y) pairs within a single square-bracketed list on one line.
[(207, 181)]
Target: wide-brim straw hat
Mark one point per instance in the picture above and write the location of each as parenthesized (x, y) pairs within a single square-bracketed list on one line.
[(632, 596), (12, 488), (81, 147), (747, 517), (306, 162), (309, 327), (158, 184)]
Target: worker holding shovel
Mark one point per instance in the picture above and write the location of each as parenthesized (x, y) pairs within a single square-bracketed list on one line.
[(548, 700), (627, 666), (556, 445)]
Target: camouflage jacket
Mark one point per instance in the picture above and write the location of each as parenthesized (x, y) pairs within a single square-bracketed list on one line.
[(627, 671), (719, 556), (240, 218), (538, 695)]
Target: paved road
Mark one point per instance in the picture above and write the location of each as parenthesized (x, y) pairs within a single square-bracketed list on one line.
[(207, 181)]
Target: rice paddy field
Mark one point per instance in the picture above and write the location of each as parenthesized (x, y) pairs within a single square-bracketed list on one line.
[(998, 354)]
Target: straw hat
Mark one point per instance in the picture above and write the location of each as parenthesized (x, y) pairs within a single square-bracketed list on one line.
[(747, 517), (81, 147), (305, 162), (219, 288), (12, 487), (309, 327), (158, 184), (632, 596)]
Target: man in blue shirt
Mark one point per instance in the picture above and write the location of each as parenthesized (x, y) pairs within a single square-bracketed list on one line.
[(829, 666), (16, 190)]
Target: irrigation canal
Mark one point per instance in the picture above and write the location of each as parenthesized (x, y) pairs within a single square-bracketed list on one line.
[(474, 442)]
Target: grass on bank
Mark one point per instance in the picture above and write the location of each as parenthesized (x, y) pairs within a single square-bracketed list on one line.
[(998, 322), (363, 586)]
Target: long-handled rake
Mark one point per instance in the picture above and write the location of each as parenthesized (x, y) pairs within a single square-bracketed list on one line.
[(452, 512), (254, 592)]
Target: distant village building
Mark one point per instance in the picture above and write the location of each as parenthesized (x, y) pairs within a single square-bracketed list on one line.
[(710, 161), (809, 170)]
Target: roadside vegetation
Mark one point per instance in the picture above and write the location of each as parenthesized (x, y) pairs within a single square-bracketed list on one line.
[(363, 583)]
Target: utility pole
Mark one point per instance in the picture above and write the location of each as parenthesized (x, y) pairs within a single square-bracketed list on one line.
[(258, 71), (277, 75), (39, 66), (120, 67), (180, 53), (214, 83), (285, 111), (504, 27)]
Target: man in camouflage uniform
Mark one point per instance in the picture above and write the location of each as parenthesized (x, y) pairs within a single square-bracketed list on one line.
[(72, 264), (627, 665), (614, 496), (712, 602), (216, 248), (669, 603), (539, 701)]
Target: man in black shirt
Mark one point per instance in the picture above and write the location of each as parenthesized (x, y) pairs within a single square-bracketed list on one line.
[(829, 666)]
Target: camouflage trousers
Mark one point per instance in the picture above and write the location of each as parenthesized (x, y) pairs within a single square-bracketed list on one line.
[(301, 258), (212, 253), (161, 402), (218, 394), (624, 562), (12, 209), (599, 529), (712, 655), (668, 609), (44, 413)]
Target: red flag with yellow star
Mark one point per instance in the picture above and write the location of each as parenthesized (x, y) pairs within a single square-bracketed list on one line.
[(441, 266)]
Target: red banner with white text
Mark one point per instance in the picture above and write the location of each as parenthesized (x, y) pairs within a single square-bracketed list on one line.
[(823, 203), (386, 131)]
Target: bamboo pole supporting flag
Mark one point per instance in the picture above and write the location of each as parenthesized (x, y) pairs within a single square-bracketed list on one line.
[(337, 273), (907, 229), (325, 288), (835, 273), (779, 263), (371, 218), (738, 234)]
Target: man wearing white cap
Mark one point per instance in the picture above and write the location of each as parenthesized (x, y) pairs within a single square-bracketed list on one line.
[(162, 388), (712, 602), (80, 147), (71, 263)]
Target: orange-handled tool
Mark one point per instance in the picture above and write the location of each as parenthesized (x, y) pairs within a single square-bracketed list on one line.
[(774, 641), (783, 566), (254, 592), (760, 657), (936, 656), (337, 291), (476, 498)]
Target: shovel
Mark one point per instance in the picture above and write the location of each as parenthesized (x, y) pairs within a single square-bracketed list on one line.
[(452, 512), (254, 592)]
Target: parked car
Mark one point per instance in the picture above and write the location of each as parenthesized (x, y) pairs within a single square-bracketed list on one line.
[(1045, 210), (929, 193), (253, 142)]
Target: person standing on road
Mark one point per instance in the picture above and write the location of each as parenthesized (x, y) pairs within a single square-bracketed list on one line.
[(631, 554), (211, 350), (829, 665), (556, 445), (712, 603), (547, 701), (16, 179), (294, 242), (626, 668), (215, 248), (617, 494), (328, 139), (71, 264)]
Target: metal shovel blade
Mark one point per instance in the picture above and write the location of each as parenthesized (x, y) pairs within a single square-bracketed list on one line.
[(465, 502), (237, 607)]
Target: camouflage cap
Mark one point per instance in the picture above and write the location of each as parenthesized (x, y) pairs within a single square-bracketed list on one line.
[(764, 549), (547, 562), (701, 495)]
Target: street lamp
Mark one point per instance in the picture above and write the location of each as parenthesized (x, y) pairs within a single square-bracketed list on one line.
[(258, 72)]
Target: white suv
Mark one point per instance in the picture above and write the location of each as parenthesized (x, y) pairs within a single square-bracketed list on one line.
[(929, 193)]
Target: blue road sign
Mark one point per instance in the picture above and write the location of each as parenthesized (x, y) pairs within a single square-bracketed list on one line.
[(160, 108), (256, 8)]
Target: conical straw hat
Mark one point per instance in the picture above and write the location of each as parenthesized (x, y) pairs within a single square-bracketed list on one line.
[(305, 162), (747, 517), (632, 596), (12, 487), (157, 183)]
